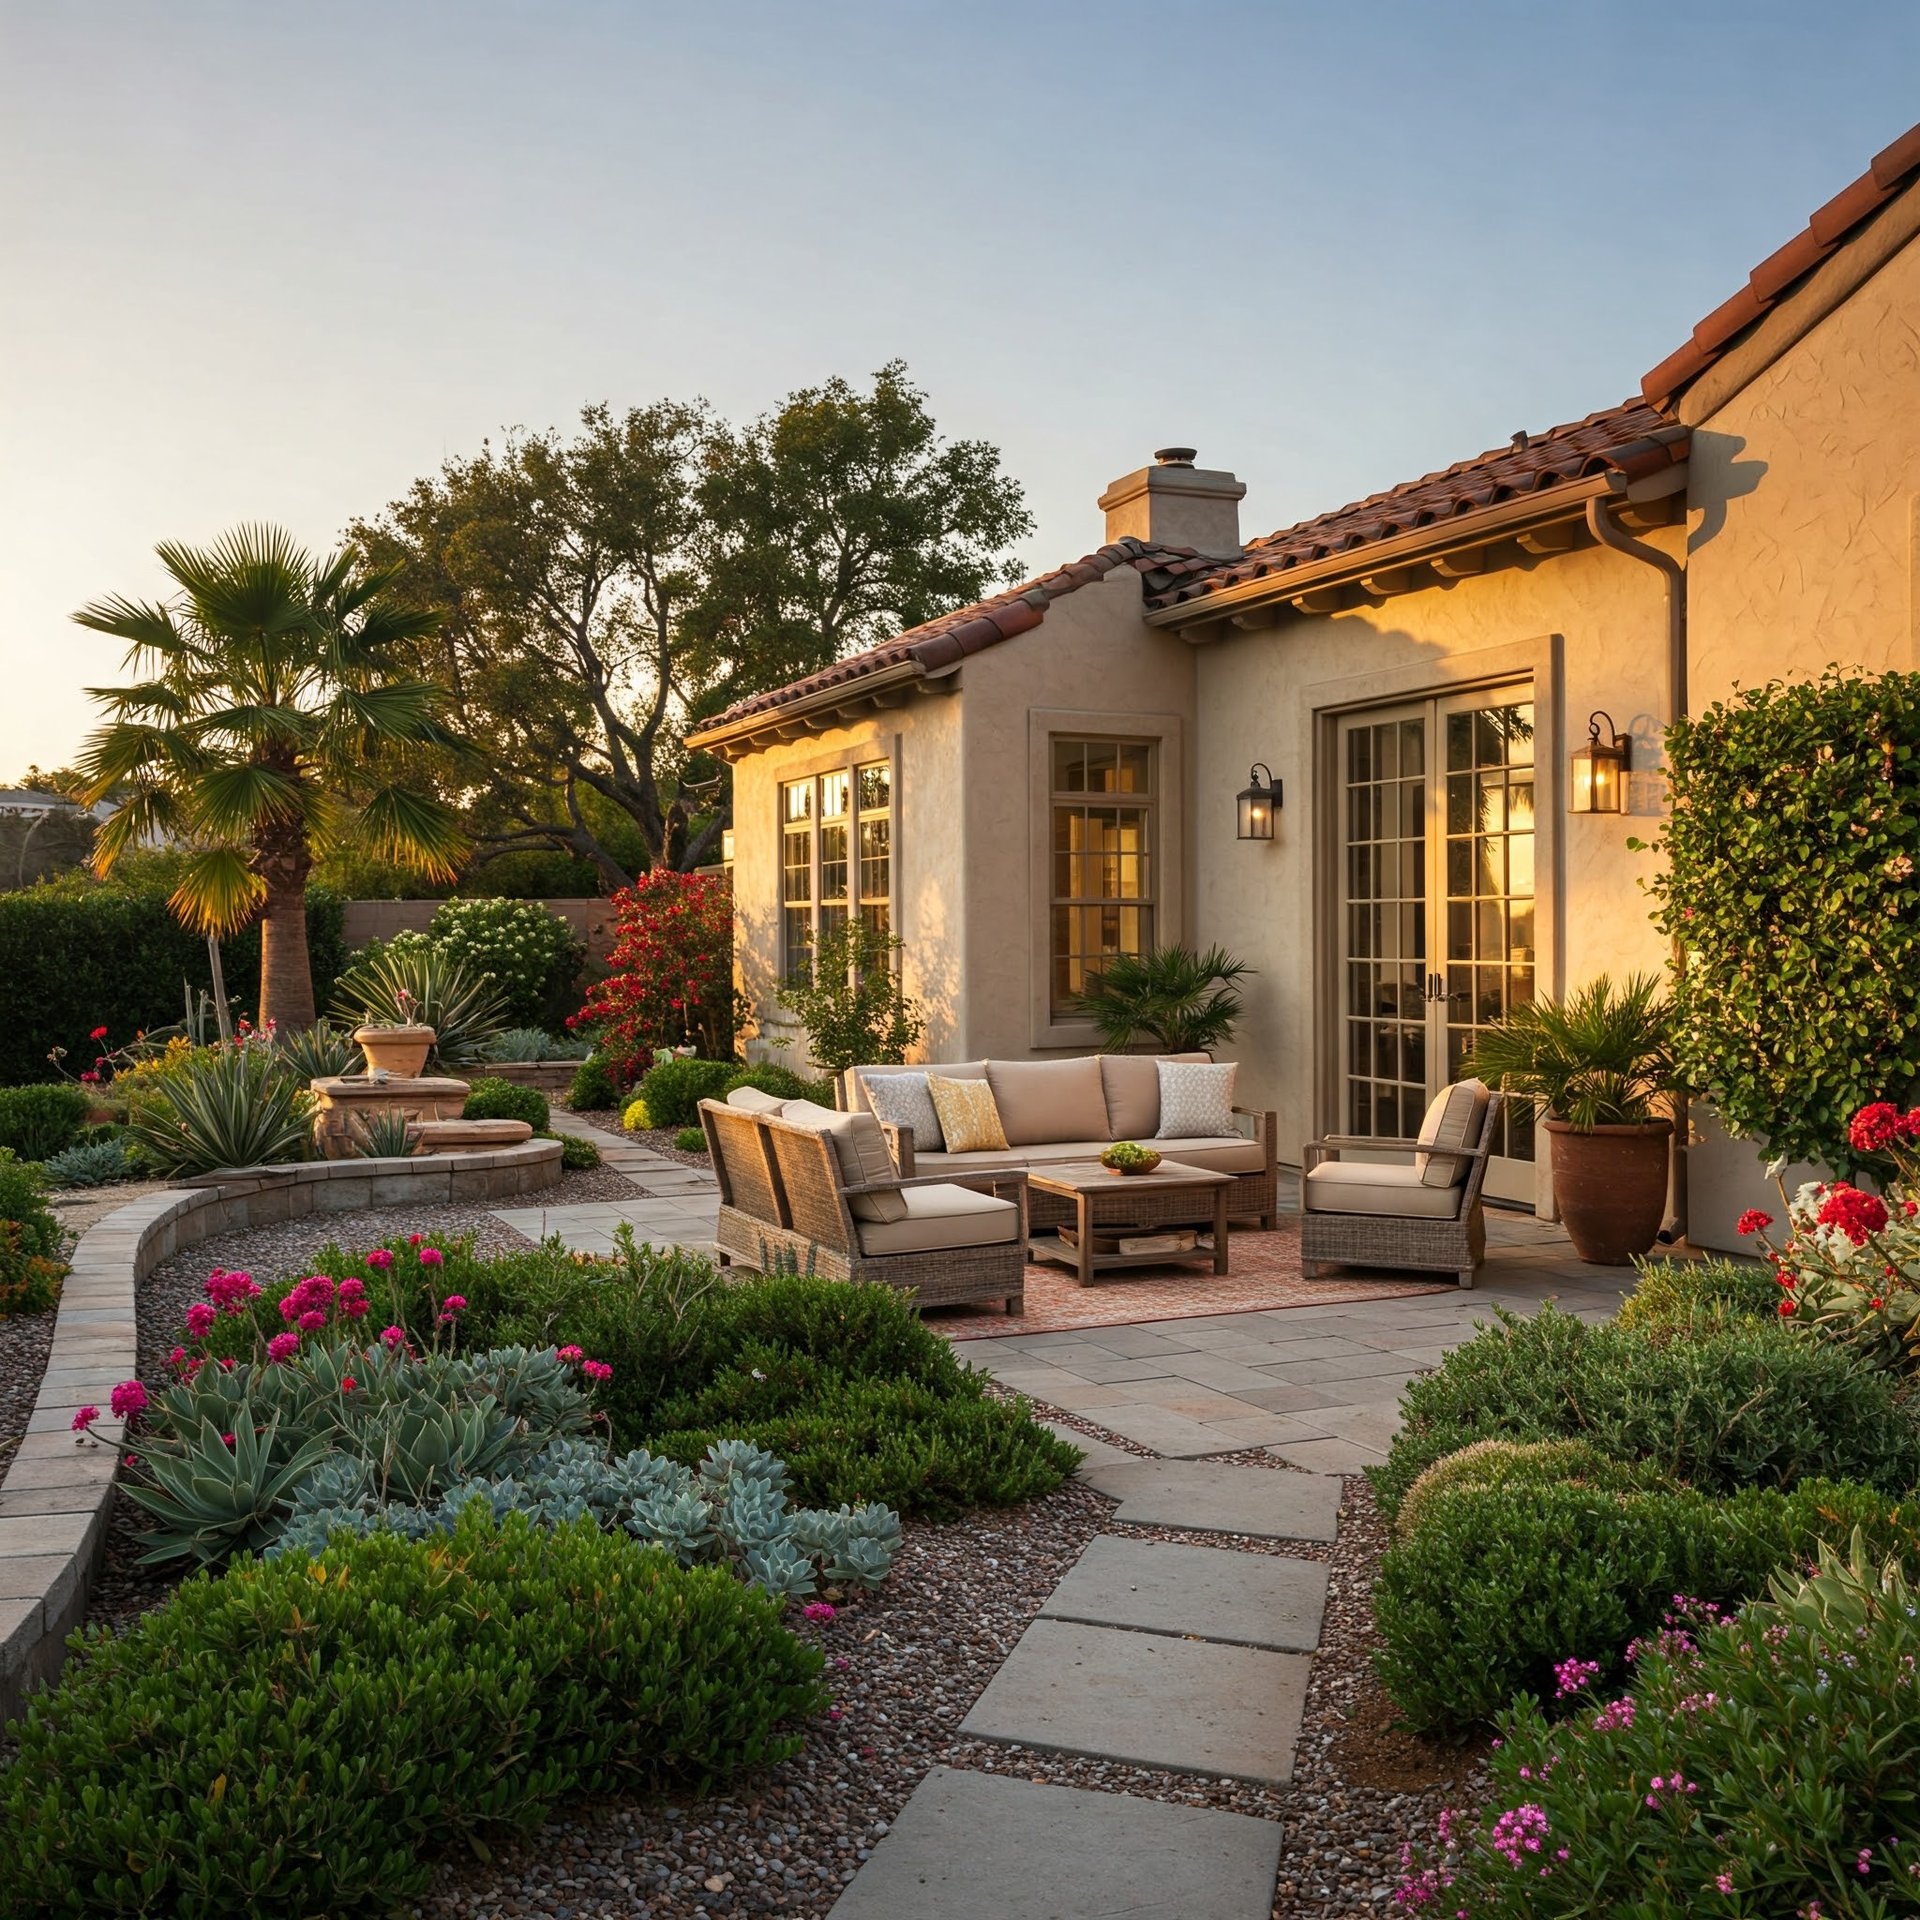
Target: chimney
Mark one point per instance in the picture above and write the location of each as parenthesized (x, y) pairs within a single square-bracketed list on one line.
[(1173, 503)]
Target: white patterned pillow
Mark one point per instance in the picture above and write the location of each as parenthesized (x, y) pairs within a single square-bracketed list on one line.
[(1196, 1102), (902, 1100)]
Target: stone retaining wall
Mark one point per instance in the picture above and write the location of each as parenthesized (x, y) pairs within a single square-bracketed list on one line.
[(549, 1076), (56, 1495)]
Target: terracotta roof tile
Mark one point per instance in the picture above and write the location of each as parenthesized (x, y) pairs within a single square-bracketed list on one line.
[(1892, 171), (1633, 439), (942, 642)]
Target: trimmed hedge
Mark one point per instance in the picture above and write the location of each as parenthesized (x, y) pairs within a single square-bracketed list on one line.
[(1749, 1404), (1499, 1584), (301, 1737), (76, 956)]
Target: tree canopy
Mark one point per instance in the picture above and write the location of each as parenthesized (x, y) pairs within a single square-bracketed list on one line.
[(597, 592)]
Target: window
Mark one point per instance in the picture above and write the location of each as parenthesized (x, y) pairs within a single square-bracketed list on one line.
[(1103, 878), (836, 856)]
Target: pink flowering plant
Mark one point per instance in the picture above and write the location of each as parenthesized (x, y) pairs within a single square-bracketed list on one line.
[(1848, 1260), (1762, 1764)]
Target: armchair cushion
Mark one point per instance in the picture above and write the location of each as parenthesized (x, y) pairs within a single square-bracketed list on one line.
[(752, 1100), (1362, 1186), (969, 1119), (1045, 1100), (861, 1149), (902, 1100), (940, 1217), (1452, 1120)]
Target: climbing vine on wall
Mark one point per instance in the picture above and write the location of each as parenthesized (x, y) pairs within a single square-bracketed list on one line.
[(1791, 889)]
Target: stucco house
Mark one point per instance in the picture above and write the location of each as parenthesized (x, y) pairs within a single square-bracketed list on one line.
[(1028, 785)]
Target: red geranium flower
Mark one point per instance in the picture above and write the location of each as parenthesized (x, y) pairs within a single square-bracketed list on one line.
[(1856, 1214), (99, 1033), (1753, 1221), (1874, 1127)]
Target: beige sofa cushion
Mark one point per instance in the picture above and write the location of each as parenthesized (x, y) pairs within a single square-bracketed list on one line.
[(1046, 1100), (1131, 1083), (940, 1217), (1218, 1153), (969, 1119), (862, 1151), (1452, 1120), (752, 1100), (1360, 1186), (1227, 1153)]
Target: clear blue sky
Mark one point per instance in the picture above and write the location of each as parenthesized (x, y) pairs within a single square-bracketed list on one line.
[(268, 261)]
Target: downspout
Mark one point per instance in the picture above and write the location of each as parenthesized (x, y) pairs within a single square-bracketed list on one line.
[(1604, 528)]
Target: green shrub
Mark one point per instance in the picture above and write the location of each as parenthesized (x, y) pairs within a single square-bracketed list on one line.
[(593, 1089), (783, 1084), (528, 952), (496, 1099), (1498, 1584), (673, 1089), (533, 1043), (30, 1237), (230, 1107), (1520, 1463), (37, 1122), (92, 1163), (23, 1191), (1764, 1767), (866, 1401), (296, 1738), (1749, 1404), (77, 954), (1675, 1298), (577, 1153), (691, 1140)]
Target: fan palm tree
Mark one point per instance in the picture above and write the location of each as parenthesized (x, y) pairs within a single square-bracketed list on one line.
[(1188, 1002), (1601, 1057), (270, 730)]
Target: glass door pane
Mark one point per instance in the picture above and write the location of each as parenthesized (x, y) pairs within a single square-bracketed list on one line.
[(1383, 924)]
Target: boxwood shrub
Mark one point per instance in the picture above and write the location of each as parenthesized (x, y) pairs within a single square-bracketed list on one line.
[(38, 1122), (1749, 1404), (1676, 1298), (492, 1098), (302, 1737), (1498, 1584)]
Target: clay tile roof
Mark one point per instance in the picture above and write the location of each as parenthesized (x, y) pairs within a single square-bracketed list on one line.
[(1893, 169), (1632, 439), (943, 642)]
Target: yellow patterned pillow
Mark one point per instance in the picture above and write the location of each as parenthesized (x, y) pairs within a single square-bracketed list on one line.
[(968, 1116)]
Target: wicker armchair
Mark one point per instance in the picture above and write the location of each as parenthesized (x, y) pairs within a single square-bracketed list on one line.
[(1373, 1214), (785, 1193)]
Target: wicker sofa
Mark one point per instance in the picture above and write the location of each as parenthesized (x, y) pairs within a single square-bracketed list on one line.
[(1074, 1109), (794, 1185)]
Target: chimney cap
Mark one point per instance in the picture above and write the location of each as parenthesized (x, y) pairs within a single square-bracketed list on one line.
[(1175, 456)]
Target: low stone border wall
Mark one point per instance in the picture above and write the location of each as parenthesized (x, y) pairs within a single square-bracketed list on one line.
[(56, 1496), (549, 1076)]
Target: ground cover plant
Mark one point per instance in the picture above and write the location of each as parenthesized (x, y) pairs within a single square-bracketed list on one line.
[(1761, 1765), (299, 1737), (845, 1384)]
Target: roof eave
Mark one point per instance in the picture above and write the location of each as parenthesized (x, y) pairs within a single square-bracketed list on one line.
[(753, 732)]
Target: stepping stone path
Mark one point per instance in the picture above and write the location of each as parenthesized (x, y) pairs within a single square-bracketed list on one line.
[(1153, 1652)]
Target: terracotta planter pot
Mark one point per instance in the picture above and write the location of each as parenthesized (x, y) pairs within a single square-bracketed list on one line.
[(1611, 1184), (401, 1050)]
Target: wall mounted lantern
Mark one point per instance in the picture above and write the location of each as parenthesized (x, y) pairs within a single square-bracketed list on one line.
[(1600, 769), (1259, 802)]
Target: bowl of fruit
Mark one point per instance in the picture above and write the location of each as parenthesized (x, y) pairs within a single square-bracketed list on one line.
[(1128, 1156)]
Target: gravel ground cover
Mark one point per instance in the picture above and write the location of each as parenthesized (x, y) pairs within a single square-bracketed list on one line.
[(25, 1340)]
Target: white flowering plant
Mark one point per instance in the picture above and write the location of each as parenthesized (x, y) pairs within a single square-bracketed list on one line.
[(529, 954)]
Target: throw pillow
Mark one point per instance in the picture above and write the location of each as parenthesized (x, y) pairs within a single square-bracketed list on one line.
[(1451, 1120), (1196, 1102), (969, 1120), (862, 1151), (902, 1100)]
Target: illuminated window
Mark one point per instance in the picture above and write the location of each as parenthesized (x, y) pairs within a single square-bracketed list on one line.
[(1103, 878), (836, 855)]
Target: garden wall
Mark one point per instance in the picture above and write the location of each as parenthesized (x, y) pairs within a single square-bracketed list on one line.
[(57, 1494)]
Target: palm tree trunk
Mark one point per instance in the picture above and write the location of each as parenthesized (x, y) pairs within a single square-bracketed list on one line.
[(286, 973)]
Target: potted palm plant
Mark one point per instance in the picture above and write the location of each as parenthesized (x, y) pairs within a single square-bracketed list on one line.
[(1187, 1002), (1600, 1065)]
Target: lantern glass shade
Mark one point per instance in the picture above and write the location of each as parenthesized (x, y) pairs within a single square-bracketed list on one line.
[(1599, 770), (1259, 801)]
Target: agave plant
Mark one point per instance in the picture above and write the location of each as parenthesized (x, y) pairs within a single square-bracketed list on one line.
[(386, 1135), (1601, 1057), (231, 1108), (1185, 1001), (318, 1052), (220, 1490), (418, 985)]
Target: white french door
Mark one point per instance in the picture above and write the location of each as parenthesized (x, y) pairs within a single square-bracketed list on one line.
[(1436, 924)]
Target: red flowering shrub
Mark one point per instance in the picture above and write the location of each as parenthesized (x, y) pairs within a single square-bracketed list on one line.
[(1856, 1214), (671, 977)]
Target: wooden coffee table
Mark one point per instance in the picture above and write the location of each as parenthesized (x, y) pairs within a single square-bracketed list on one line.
[(1104, 1201)]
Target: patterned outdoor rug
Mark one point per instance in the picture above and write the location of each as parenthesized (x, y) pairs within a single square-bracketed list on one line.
[(1266, 1274)]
